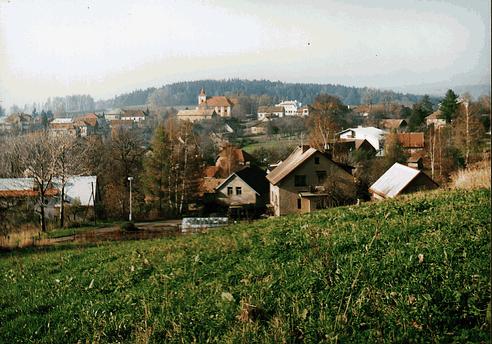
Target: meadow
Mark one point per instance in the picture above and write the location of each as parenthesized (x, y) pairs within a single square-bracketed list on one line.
[(416, 269)]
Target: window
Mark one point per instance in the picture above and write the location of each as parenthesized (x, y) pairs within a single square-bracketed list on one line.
[(321, 176), (229, 190), (299, 203), (316, 160), (300, 180), (238, 190)]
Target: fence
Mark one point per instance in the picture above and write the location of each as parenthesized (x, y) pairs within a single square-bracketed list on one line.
[(192, 223)]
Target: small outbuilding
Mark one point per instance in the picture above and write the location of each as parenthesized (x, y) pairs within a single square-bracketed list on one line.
[(400, 179)]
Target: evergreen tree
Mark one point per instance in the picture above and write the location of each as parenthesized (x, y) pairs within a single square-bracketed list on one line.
[(420, 110), (449, 105), (157, 169)]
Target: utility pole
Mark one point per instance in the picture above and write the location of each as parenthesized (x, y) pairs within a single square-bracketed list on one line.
[(130, 215)]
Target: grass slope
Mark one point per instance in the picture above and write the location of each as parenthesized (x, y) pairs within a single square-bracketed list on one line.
[(415, 269)]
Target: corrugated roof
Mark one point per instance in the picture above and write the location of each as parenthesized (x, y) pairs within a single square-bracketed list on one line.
[(16, 184), (21, 187), (394, 180), (298, 156)]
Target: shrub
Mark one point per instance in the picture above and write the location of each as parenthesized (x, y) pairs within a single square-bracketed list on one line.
[(474, 177), (129, 227)]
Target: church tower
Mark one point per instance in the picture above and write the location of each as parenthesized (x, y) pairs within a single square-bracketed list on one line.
[(202, 97)]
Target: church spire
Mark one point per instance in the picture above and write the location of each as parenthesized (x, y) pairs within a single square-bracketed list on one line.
[(202, 97)]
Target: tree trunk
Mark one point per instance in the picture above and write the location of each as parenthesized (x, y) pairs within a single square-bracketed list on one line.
[(183, 184), (43, 217), (62, 205)]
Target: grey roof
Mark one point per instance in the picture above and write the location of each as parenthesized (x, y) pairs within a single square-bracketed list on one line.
[(16, 184), (394, 180)]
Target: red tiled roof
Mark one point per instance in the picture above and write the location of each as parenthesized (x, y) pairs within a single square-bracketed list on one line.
[(411, 140), (236, 153), (87, 119), (219, 101), (27, 193), (208, 185), (210, 171), (393, 123)]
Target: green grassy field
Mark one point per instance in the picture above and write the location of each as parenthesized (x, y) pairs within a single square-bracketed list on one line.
[(288, 142), (412, 270)]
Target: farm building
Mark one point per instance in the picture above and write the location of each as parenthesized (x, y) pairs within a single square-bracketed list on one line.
[(400, 179)]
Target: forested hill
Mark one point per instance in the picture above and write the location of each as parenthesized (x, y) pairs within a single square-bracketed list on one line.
[(185, 93)]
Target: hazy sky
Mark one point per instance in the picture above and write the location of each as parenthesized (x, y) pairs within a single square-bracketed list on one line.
[(102, 48)]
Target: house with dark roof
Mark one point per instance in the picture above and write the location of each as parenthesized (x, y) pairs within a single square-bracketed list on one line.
[(400, 179), (416, 161), (247, 187), (305, 180)]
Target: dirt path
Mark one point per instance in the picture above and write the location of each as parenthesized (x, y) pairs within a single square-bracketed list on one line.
[(147, 230)]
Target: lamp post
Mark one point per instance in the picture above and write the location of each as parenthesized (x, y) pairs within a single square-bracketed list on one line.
[(130, 215)]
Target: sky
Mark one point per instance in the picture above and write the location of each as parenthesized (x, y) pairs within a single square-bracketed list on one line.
[(103, 48)]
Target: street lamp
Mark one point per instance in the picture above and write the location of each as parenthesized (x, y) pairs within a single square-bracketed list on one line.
[(130, 215)]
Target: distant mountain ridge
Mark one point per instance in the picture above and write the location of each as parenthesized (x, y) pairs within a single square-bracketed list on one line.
[(185, 93)]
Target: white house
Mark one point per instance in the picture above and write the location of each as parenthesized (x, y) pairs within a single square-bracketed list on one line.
[(290, 106), (266, 113), (133, 115), (374, 136), (114, 114)]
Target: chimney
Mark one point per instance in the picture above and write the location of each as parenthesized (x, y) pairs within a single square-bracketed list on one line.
[(304, 148)]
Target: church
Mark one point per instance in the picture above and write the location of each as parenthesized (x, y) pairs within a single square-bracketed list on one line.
[(208, 107), (221, 104)]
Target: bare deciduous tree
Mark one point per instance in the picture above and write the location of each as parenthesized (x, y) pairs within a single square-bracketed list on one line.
[(36, 157)]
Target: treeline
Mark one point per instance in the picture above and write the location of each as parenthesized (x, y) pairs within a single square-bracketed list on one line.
[(137, 97), (73, 103), (185, 93)]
